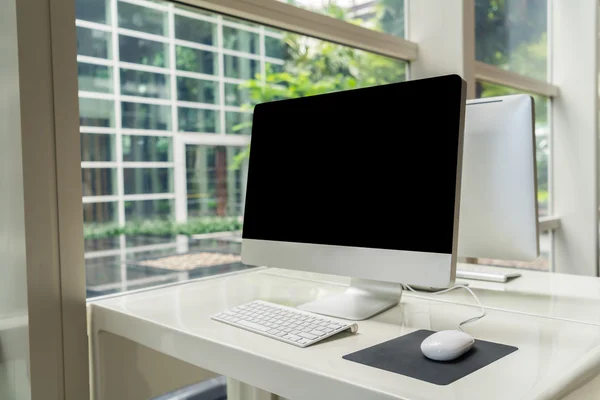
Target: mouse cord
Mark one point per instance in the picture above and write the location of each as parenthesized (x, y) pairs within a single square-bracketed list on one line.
[(460, 325)]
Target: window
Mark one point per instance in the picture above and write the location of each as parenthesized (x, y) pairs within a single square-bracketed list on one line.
[(96, 112), (513, 35), (380, 15), (95, 78), (241, 40), (194, 60), (97, 147), (197, 120), (143, 51), (93, 43), (148, 180), (194, 30), (145, 116), (99, 181), (142, 19), (147, 148), (197, 90), (93, 11), (184, 89), (144, 84)]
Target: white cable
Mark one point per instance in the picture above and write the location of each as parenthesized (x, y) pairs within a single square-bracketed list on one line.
[(449, 290)]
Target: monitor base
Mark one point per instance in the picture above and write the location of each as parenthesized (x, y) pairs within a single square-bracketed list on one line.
[(363, 299)]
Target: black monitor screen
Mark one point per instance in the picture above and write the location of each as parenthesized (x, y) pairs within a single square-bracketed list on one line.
[(373, 167)]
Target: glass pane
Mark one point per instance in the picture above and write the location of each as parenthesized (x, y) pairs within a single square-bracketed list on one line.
[(379, 15), (143, 51), (213, 188), (542, 137), (99, 181), (240, 68), (93, 43), (236, 95), (274, 47), (148, 210), (194, 30), (96, 112), (197, 90), (95, 78), (197, 120), (93, 10), (241, 40), (100, 213), (238, 123), (513, 34), (147, 148), (144, 84), (148, 180), (194, 60), (146, 116), (97, 147), (142, 19)]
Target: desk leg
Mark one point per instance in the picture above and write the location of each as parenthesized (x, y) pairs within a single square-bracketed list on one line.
[(237, 390)]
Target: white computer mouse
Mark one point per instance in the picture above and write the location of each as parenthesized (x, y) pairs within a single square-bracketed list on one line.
[(447, 345)]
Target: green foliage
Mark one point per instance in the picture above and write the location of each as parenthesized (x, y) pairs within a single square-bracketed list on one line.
[(164, 228)]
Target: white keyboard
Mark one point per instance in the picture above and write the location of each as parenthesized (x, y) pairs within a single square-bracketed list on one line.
[(483, 274), (286, 324)]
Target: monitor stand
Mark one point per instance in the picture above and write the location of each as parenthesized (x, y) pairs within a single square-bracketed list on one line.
[(363, 299)]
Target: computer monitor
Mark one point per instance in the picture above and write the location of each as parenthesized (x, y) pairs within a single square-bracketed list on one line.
[(362, 183), (498, 209)]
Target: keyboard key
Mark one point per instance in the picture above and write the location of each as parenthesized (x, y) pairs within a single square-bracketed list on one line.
[(303, 341), (292, 337), (274, 331), (334, 326), (253, 325), (317, 333), (307, 335)]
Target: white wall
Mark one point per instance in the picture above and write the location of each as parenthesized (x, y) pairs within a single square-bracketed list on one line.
[(14, 375)]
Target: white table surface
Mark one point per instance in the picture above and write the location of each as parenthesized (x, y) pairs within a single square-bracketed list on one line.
[(555, 355)]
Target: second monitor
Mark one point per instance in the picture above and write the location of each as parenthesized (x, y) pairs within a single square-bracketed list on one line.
[(498, 210)]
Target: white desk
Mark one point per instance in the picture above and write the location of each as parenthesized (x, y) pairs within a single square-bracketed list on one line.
[(555, 356)]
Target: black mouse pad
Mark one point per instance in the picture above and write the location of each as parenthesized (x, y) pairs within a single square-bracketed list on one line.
[(403, 356)]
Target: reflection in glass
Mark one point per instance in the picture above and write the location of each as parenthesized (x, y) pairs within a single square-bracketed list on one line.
[(143, 51), (194, 60), (197, 120), (148, 210), (513, 34), (95, 78), (93, 43), (241, 40), (142, 19), (213, 188), (197, 90), (148, 180), (144, 84), (97, 147), (240, 68), (542, 137), (147, 148), (99, 181), (96, 112), (194, 30), (145, 116)]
